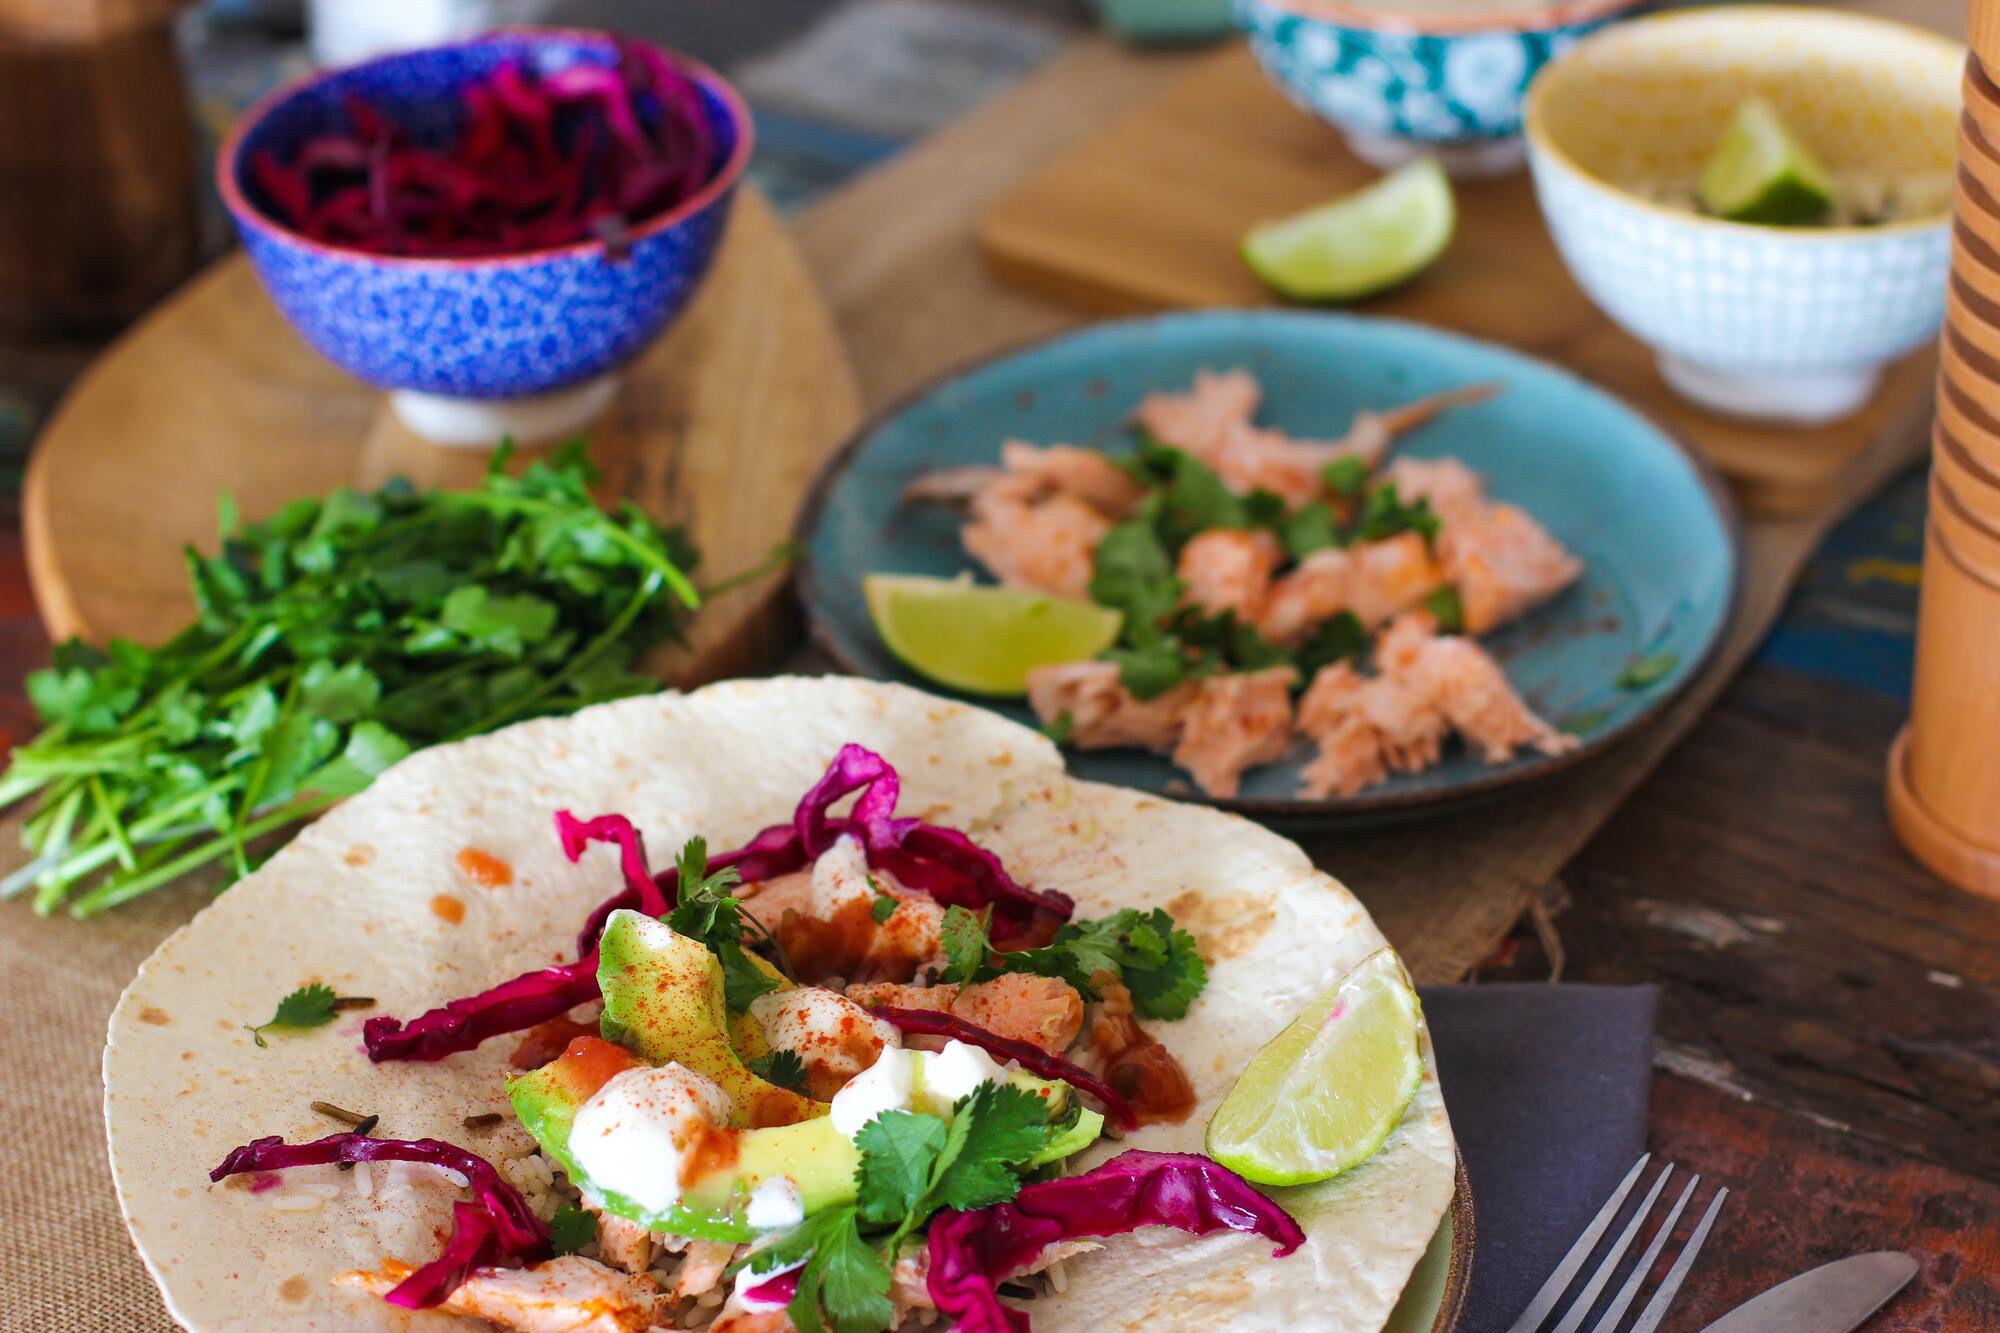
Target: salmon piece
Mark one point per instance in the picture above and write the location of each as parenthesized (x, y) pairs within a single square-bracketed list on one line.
[(701, 1268), (1464, 683), (1197, 420), (1375, 581), (1365, 729), (1391, 576), (740, 1320), (624, 1244), (909, 1281), (566, 1295), (1504, 565), (1083, 474), (1020, 1006), (834, 1038), (769, 899), (1456, 493), (1315, 590), (1238, 721), (1248, 459), (1047, 545), (1229, 569), (839, 936), (1104, 714)]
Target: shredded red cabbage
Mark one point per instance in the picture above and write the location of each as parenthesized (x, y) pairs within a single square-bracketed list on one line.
[(927, 857), (971, 1252), (537, 161), (499, 1225), (936, 1023), (775, 1292)]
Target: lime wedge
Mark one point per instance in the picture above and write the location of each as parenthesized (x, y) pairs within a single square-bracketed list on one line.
[(982, 640), (1328, 1090), (1358, 244), (1760, 172)]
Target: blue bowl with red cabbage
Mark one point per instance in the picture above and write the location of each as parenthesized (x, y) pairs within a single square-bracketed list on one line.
[(416, 251)]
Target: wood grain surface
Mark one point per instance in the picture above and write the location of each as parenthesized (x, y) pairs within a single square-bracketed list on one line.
[(720, 426), (1147, 213)]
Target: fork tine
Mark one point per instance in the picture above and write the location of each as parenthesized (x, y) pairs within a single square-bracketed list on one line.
[(1579, 1309), (1566, 1271), (1656, 1309), (1623, 1300)]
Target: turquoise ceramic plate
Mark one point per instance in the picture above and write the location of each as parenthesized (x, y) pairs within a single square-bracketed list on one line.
[(1655, 530)]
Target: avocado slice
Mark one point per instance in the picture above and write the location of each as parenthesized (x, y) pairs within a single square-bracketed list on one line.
[(818, 1158), (663, 999)]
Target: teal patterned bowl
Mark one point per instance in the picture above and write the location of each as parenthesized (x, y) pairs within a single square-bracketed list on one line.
[(1438, 78)]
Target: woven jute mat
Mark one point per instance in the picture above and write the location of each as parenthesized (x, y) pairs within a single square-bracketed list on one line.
[(896, 256)]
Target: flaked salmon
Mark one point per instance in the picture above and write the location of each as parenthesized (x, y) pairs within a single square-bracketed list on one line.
[(1504, 564), (1365, 729), (1463, 682), (1046, 1011), (570, 1294), (1102, 713), (1229, 570), (1376, 581), (1236, 722)]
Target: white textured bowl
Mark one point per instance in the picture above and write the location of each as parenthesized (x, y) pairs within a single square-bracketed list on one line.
[(1788, 324)]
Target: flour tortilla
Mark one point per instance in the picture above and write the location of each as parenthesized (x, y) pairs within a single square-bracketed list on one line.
[(349, 903)]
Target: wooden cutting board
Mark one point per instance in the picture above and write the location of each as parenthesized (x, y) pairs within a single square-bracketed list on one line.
[(720, 425), (1146, 212)]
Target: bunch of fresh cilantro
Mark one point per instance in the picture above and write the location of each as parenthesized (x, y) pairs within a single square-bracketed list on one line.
[(331, 640), (912, 1165), (1164, 642)]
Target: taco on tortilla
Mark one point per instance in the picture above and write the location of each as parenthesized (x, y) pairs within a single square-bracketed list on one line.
[(779, 1005)]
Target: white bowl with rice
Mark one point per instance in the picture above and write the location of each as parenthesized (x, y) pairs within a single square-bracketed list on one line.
[(1789, 324)]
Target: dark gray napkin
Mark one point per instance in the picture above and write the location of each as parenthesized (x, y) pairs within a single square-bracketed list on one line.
[(1547, 1088)]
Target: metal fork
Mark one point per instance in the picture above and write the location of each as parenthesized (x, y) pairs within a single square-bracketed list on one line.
[(1566, 1272)]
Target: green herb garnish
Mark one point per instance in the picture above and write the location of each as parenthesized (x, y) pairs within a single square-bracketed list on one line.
[(783, 1068), (884, 905), (309, 1006), (330, 640), (1346, 476), (965, 945), (1645, 670), (709, 913), (1446, 608), (571, 1229), (1155, 959)]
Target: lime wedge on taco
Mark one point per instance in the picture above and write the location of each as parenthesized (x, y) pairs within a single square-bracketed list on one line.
[(1326, 1093), (1761, 172), (1359, 244), (982, 639)]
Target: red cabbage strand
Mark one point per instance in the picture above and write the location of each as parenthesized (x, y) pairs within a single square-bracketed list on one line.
[(498, 1226), (936, 1023), (971, 1252), (929, 858)]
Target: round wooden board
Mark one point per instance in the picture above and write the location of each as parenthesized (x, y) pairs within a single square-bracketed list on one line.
[(720, 426)]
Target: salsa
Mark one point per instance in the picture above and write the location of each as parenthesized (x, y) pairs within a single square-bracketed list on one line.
[(1136, 1065)]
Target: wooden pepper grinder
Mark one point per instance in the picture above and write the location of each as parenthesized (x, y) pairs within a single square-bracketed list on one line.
[(97, 163), (1944, 769)]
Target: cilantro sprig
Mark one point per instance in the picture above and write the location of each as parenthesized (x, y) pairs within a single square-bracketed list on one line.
[(782, 1068), (309, 1006), (1155, 959), (912, 1164), (709, 913), (571, 1229), (329, 641)]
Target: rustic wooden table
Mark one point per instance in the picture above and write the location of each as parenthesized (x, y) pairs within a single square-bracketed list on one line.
[(1830, 1014)]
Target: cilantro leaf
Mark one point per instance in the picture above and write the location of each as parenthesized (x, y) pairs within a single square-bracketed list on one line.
[(309, 1006), (783, 1068), (571, 1229), (1331, 641), (1346, 476), (1132, 572), (965, 944), (1309, 528), (884, 905), (707, 912), (843, 1273), (1645, 670), (1060, 728), (1384, 515), (899, 1153), (1446, 608), (996, 1125), (1155, 959), (1151, 671)]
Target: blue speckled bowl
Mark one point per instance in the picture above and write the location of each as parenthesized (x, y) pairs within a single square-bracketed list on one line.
[(505, 327), (1405, 84), (1655, 530)]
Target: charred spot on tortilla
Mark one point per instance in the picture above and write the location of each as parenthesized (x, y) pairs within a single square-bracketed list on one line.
[(1228, 925)]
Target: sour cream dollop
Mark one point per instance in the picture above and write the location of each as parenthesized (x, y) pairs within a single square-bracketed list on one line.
[(775, 1205), (903, 1080), (627, 1138)]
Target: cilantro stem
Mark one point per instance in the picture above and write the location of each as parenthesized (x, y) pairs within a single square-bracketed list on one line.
[(113, 892), (50, 891), (123, 839)]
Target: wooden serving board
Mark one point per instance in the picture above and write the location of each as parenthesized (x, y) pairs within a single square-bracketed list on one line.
[(720, 426), (1147, 212)]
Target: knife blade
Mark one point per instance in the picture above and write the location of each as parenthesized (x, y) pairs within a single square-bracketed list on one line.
[(1832, 1298)]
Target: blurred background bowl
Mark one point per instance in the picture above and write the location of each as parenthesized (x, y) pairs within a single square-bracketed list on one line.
[(525, 326), (1443, 78), (1777, 323)]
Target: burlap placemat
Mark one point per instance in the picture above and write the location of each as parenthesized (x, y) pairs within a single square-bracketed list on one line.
[(896, 255)]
